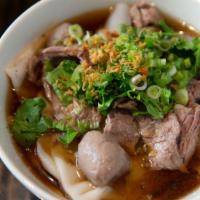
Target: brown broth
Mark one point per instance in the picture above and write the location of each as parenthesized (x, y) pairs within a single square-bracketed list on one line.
[(181, 26), (146, 184), (87, 20), (142, 183), (29, 156)]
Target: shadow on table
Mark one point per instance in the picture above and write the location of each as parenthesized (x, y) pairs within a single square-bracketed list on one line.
[(10, 188), (10, 10)]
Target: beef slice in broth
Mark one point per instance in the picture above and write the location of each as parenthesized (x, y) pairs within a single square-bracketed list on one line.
[(172, 141), (122, 128), (162, 137)]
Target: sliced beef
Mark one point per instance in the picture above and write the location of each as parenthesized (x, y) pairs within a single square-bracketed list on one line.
[(189, 119), (59, 34), (173, 140), (125, 104), (35, 70), (144, 14), (62, 52), (101, 161), (76, 111), (122, 128), (162, 138), (55, 52), (59, 110), (194, 91), (181, 112)]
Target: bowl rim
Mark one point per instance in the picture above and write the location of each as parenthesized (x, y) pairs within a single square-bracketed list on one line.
[(7, 161)]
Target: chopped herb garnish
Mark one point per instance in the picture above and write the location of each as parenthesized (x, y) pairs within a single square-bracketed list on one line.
[(59, 79), (29, 124), (151, 68)]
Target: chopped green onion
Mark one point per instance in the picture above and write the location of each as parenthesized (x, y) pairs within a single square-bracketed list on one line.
[(163, 61), (154, 92), (171, 57), (87, 36), (68, 136), (136, 81), (76, 32), (82, 126), (187, 62), (172, 71), (181, 96), (150, 55)]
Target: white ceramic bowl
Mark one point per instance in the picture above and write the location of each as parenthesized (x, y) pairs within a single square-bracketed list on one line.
[(31, 25)]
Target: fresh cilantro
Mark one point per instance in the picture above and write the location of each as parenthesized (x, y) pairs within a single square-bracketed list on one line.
[(29, 123), (59, 79), (68, 136), (156, 108), (82, 126)]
